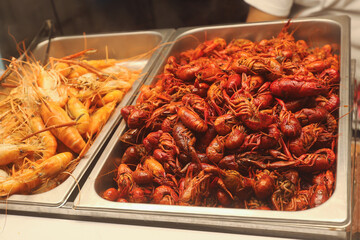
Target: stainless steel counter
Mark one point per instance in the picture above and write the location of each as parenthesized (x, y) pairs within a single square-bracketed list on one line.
[(32, 228)]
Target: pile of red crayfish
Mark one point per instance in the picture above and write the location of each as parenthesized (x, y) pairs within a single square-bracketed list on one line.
[(240, 125)]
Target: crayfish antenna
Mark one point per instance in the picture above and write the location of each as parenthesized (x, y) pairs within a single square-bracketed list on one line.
[(286, 150)]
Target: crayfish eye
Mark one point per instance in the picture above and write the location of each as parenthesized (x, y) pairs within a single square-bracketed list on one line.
[(280, 59)]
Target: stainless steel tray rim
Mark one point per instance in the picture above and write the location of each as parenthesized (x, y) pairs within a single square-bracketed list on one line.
[(184, 32), (223, 213), (160, 33)]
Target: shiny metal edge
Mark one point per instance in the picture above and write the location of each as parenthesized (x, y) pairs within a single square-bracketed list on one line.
[(202, 223), (59, 195), (336, 212)]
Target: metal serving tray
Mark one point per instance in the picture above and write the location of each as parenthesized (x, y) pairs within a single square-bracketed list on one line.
[(118, 46), (333, 215)]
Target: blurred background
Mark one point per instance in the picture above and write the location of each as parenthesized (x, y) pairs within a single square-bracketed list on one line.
[(22, 19)]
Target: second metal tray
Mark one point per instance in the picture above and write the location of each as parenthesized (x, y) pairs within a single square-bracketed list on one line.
[(325, 219)]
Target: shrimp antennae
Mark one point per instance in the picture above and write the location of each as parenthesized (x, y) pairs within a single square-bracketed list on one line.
[(49, 128)]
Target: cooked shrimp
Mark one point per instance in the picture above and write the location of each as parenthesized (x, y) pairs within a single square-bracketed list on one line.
[(46, 137), (3, 175), (101, 64), (113, 96), (100, 117), (53, 115), (48, 80), (58, 163), (114, 84), (25, 180), (62, 68), (77, 71), (51, 87), (10, 153), (80, 113)]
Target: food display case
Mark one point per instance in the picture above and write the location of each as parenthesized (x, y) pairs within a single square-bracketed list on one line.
[(331, 220)]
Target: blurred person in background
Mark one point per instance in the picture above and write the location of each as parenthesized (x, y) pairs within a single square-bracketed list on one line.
[(265, 10)]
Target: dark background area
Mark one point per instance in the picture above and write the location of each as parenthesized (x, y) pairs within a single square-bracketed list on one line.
[(22, 19)]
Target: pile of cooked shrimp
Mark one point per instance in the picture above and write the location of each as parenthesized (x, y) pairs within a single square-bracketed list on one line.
[(50, 116)]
